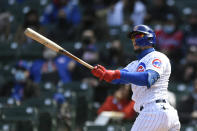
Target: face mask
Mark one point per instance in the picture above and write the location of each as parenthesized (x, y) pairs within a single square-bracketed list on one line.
[(49, 54), (20, 76), (169, 28), (86, 40), (114, 51)]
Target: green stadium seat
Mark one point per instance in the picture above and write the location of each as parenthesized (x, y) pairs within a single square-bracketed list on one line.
[(18, 114), (8, 102), (79, 95), (7, 52), (188, 128), (42, 104), (185, 3), (7, 126), (31, 51)]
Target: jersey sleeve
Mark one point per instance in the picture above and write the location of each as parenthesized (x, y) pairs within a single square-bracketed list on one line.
[(130, 67), (156, 64)]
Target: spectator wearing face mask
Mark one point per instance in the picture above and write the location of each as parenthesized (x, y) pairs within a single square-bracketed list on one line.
[(52, 68), (115, 54), (87, 50), (170, 40), (66, 17), (22, 87)]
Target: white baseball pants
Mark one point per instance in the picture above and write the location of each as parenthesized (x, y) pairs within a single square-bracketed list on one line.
[(157, 117)]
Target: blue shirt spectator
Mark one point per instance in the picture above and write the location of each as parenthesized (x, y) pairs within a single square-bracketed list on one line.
[(61, 64), (66, 9)]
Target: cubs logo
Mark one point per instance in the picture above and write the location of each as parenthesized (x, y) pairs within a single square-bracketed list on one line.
[(156, 63), (141, 67)]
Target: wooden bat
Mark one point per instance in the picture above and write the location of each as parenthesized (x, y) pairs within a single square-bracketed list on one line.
[(52, 45)]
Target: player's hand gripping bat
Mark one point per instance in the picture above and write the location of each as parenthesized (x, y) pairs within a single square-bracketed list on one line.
[(52, 45)]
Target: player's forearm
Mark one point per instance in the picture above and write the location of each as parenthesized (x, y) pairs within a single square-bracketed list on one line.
[(137, 78), (121, 81), (147, 78)]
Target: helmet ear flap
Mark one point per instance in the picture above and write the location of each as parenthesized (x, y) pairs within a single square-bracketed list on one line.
[(152, 41)]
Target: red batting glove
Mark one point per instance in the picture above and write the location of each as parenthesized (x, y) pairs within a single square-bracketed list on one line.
[(98, 71), (108, 75), (111, 75)]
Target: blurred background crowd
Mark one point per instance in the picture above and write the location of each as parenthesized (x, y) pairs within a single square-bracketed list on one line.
[(43, 90)]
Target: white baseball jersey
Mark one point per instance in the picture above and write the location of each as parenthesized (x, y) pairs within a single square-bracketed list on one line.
[(152, 116)]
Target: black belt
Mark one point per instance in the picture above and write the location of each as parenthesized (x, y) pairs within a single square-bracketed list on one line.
[(156, 101)]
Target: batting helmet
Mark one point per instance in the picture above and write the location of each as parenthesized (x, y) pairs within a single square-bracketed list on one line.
[(143, 35)]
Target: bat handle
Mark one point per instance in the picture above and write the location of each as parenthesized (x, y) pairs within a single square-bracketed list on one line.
[(65, 52), (89, 66)]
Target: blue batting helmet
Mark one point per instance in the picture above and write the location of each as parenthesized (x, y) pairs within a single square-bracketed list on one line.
[(148, 37)]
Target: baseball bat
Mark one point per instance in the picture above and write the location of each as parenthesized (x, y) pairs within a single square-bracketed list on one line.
[(52, 45)]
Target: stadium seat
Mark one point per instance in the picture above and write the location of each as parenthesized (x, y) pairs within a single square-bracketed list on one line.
[(14, 114), (188, 128), (20, 114), (185, 3), (81, 101), (47, 89), (7, 126), (8, 102), (42, 104), (7, 52), (31, 51), (45, 107)]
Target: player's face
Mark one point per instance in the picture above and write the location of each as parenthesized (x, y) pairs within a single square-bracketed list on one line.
[(135, 46)]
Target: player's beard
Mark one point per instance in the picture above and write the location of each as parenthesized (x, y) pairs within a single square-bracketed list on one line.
[(138, 51)]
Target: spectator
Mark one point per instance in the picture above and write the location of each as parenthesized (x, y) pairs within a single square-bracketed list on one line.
[(4, 26), (91, 20), (120, 102), (169, 40), (115, 16), (190, 46), (65, 11), (52, 68), (126, 12), (22, 87), (31, 20), (87, 51), (170, 37), (115, 55), (188, 105), (158, 11), (139, 12)]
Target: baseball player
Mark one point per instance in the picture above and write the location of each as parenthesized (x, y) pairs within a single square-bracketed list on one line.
[(148, 76)]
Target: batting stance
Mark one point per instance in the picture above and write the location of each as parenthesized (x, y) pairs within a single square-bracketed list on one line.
[(149, 76)]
